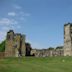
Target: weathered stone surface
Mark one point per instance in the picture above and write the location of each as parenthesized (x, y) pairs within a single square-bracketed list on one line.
[(47, 52), (15, 44), (68, 39)]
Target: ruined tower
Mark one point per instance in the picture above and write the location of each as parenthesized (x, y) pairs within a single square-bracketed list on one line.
[(15, 44), (68, 39)]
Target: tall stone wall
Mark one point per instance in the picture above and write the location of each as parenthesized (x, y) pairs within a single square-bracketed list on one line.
[(15, 44), (9, 44), (68, 39), (23, 50)]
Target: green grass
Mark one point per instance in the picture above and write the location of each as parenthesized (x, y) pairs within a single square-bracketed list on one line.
[(32, 64)]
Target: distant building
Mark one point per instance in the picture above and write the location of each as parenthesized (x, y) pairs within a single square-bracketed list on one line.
[(68, 39), (15, 44)]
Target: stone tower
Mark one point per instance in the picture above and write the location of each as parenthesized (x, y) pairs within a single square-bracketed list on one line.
[(68, 39), (15, 44)]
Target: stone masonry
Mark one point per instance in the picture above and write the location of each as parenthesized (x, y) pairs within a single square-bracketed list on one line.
[(47, 52), (15, 44), (68, 39)]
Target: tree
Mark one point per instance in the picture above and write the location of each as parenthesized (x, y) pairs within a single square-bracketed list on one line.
[(59, 47), (50, 48), (2, 46)]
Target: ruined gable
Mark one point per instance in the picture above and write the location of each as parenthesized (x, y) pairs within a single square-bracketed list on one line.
[(15, 44)]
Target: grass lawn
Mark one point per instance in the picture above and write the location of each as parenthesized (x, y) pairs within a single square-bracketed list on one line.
[(32, 64)]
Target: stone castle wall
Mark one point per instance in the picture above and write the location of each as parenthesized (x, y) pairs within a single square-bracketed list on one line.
[(68, 39), (47, 52), (15, 44)]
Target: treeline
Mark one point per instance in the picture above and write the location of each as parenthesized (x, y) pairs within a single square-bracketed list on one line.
[(58, 47)]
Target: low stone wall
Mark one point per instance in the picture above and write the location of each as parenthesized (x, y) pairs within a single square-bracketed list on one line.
[(46, 52)]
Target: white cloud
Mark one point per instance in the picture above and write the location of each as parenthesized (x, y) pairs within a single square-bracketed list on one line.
[(11, 13), (21, 13), (27, 14), (7, 21), (13, 22), (4, 21), (5, 28), (2, 35), (22, 18), (17, 6), (24, 14), (3, 32), (18, 27), (6, 24)]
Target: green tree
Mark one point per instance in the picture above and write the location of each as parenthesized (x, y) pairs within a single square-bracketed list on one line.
[(2, 46), (59, 47), (50, 48)]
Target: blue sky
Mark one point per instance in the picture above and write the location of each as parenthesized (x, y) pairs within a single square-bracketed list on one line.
[(42, 21)]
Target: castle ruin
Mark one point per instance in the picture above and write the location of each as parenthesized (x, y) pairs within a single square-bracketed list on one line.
[(15, 44), (68, 39)]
